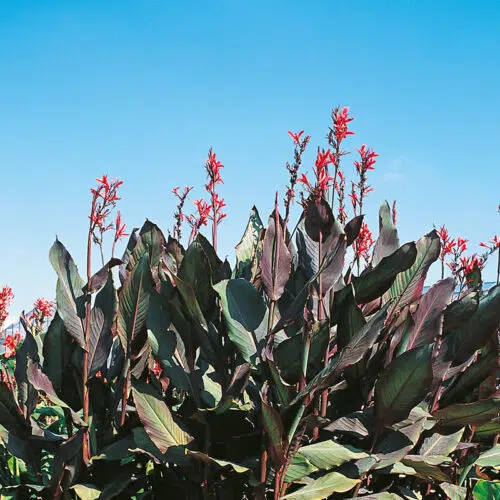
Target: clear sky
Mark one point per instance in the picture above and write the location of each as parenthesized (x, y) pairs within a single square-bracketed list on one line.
[(141, 89)]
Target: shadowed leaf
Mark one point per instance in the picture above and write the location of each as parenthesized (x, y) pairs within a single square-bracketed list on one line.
[(388, 240)]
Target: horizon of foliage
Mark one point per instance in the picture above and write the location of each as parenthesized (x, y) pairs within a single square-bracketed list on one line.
[(315, 367)]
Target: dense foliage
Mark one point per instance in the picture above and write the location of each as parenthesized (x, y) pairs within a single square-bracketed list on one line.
[(313, 368)]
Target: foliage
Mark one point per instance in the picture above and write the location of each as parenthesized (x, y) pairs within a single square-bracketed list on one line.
[(316, 367)]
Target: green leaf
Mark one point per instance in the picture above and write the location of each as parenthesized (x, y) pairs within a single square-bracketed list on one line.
[(244, 311), (479, 329), (101, 321), (276, 261), (375, 282), (157, 418), (324, 455), (350, 355), (403, 385), (195, 270), (86, 491), (409, 284), (246, 249), (459, 312), (288, 354), (490, 458), (454, 492), (350, 319), (69, 294), (486, 490), (134, 303), (10, 414), (221, 464), (388, 240), (439, 444), (275, 433), (323, 487), (41, 382), (477, 413), (429, 316)]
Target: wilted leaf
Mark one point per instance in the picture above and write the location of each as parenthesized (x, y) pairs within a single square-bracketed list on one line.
[(157, 418)]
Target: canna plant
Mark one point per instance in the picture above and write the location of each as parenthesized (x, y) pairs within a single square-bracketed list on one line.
[(313, 367)]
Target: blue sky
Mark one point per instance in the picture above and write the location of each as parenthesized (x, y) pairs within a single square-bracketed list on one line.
[(141, 89)]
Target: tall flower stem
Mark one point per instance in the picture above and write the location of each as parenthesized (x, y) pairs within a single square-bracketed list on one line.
[(88, 310), (498, 266)]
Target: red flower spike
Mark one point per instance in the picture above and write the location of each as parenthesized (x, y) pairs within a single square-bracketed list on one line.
[(340, 122), (6, 298), (10, 343), (295, 137)]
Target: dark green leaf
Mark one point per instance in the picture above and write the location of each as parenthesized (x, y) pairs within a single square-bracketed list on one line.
[(244, 312), (388, 240), (134, 303), (69, 294), (352, 229), (403, 385), (157, 418), (477, 413)]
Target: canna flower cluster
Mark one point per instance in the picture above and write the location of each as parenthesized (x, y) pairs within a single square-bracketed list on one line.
[(320, 169), (337, 133), (104, 198), (42, 309), (10, 344), (492, 245), (179, 215), (363, 244), (300, 147), (6, 298), (361, 188)]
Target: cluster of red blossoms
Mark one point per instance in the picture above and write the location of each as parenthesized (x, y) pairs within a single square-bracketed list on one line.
[(42, 308), (364, 242), (340, 120), (10, 344), (323, 159), (492, 244), (6, 297), (104, 199), (449, 246)]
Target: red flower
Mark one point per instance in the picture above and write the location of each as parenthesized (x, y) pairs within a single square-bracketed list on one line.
[(295, 137), (461, 244), (340, 121), (44, 307), (493, 244), (10, 343), (119, 227), (6, 297), (367, 159), (157, 369), (203, 212), (364, 242)]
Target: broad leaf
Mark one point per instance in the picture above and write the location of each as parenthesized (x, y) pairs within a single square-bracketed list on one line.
[(243, 310), (454, 492), (101, 321), (441, 445), (477, 413), (69, 294), (388, 240), (486, 490), (246, 249), (429, 316), (403, 385), (134, 303), (409, 284), (157, 418), (350, 355), (352, 229), (276, 260), (323, 487), (99, 279), (490, 458), (275, 433)]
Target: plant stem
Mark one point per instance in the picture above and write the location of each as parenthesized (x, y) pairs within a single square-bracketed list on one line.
[(498, 266), (88, 310)]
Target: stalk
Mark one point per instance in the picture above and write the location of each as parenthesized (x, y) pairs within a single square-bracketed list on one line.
[(214, 225), (88, 310), (498, 266)]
